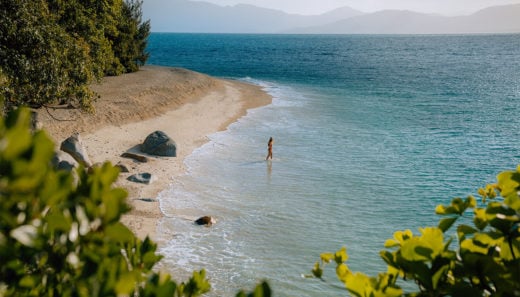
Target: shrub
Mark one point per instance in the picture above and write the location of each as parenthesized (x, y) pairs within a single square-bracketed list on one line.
[(61, 235), (52, 50), (485, 262)]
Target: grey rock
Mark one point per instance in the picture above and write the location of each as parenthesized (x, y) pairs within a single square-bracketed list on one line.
[(35, 124), (63, 161), (143, 178), (146, 199), (159, 144), (65, 165), (74, 147)]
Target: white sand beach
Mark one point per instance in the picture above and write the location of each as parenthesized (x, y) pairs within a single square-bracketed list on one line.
[(186, 105)]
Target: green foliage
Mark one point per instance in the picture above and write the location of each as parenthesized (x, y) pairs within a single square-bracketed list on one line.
[(40, 61), (62, 236), (261, 290), (130, 44), (94, 22), (486, 261), (51, 50), (114, 30)]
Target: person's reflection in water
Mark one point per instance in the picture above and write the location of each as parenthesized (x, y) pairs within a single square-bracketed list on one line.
[(269, 169)]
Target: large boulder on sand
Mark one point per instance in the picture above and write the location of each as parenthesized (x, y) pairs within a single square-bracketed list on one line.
[(74, 147), (159, 144)]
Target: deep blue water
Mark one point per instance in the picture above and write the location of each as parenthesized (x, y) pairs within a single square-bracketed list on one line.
[(371, 133)]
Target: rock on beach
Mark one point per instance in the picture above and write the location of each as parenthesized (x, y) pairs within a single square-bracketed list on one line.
[(159, 144), (74, 147)]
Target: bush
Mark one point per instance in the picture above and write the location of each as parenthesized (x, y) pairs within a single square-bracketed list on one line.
[(61, 235), (52, 50), (41, 62), (485, 262)]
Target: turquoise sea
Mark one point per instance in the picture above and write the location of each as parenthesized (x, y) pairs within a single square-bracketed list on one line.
[(371, 133)]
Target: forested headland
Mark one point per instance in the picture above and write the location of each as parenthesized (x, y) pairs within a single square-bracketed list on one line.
[(51, 50)]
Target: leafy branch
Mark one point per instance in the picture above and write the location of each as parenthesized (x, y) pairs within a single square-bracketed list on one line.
[(484, 262)]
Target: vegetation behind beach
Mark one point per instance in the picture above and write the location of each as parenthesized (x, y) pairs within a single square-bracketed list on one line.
[(51, 50)]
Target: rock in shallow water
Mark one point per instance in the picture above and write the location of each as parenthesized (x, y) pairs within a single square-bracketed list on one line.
[(205, 221)]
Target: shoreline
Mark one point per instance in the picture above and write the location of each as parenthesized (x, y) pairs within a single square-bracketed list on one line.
[(186, 105)]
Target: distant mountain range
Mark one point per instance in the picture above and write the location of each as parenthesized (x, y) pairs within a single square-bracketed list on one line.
[(203, 17), (497, 19)]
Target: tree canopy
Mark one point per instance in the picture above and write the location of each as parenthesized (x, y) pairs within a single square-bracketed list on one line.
[(51, 50)]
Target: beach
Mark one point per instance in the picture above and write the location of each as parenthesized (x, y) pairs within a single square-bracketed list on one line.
[(370, 133), (186, 105)]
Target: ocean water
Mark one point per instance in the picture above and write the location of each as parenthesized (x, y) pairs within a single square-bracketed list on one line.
[(371, 133)]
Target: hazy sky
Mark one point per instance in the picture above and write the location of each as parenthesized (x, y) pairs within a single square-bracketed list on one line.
[(446, 7)]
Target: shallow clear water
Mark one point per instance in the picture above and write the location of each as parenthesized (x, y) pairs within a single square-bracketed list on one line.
[(371, 133)]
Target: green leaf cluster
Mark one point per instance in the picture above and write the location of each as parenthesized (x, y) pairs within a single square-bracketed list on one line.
[(51, 50), (261, 290), (60, 233), (485, 262)]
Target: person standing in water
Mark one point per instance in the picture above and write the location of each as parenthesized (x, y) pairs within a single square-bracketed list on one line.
[(269, 149)]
